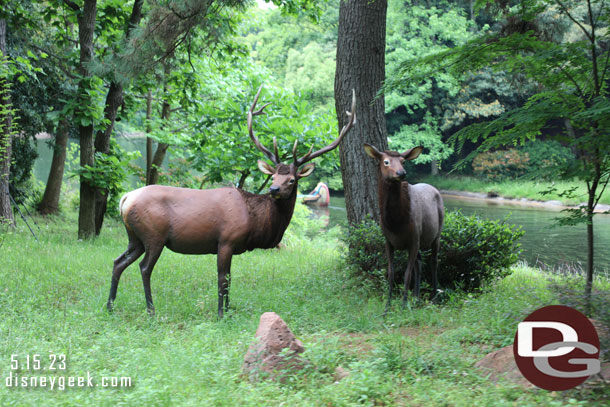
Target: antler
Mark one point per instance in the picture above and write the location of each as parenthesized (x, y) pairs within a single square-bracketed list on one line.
[(275, 159), (310, 156)]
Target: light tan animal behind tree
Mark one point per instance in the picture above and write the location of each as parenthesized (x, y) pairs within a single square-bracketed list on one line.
[(223, 221)]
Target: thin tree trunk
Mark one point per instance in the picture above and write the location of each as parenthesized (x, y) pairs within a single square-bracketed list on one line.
[(361, 66), (149, 141), (114, 99), (159, 156), (49, 205), (6, 209), (434, 167), (86, 213), (157, 162)]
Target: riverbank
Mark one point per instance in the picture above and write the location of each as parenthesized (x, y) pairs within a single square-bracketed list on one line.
[(518, 192)]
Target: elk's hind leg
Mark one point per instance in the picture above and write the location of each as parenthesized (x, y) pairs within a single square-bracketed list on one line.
[(417, 276), (133, 252), (434, 267), (390, 254), (146, 267), (225, 253)]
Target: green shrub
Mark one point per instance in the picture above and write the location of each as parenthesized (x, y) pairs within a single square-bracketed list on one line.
[(473, 251), (501, 164), (545, 154)]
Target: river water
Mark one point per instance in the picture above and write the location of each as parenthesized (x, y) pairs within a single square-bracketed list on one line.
[(542, 242), (554, 246)]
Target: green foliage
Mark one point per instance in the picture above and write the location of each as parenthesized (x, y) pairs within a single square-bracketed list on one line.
[(474, 251), (501, 164), (546, 156), (299, 53), (109, 172), (416, 108), (218, 143)]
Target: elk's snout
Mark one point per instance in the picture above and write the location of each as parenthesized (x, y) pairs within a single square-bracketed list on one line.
[(274, 191), (401, 174)]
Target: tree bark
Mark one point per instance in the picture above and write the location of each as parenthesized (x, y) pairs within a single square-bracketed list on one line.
[(157, 162), (361, 66), (114, 99), (159, 156), (86, 213), (149, 141), (49, 205), (6, 209)]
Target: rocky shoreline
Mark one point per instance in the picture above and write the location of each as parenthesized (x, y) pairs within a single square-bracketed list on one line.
[(495, 199)]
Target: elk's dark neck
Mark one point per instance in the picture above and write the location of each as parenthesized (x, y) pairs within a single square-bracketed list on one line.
[(269, 218), (394, 203)]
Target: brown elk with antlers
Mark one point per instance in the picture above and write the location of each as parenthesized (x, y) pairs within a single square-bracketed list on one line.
[(411, 217), (223, 221)]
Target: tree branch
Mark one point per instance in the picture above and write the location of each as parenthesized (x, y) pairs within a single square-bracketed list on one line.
[(571, 17), (72, 5)]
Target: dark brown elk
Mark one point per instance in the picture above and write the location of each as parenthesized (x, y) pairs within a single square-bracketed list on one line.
[(223, 221), (411, 217)]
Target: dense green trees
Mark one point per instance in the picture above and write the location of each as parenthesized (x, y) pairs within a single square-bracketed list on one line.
[(560, 49)]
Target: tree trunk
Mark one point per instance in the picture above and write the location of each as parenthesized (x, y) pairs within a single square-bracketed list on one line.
[(6, 209), (149, 141), (114, 100), (50, 200), (434, 167), (86, 213), (361, 66), (157, 162), (159, 156)]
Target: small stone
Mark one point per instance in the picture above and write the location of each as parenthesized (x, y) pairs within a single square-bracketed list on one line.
[(340, 374)]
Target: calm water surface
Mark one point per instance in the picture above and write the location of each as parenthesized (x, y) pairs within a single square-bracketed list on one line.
[(554, 246)]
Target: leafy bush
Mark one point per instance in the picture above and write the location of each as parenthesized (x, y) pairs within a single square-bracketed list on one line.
[(545, 154), (473, 251), (501, 164)]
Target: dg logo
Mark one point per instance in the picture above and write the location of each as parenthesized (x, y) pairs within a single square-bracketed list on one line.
[(557, 348)]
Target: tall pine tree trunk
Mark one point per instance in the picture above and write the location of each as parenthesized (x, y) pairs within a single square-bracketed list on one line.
[(114, 99), (6, 210), (49, 205), (86, 213), (159, 156), (149, 141), (361, 66)]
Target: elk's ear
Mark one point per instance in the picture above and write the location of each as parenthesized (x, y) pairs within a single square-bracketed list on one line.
[(306, 170), (372, 151), (265, 168), (413, 153)]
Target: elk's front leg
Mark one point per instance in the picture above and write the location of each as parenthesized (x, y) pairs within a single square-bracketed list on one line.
[(224, 275), (390, 254)]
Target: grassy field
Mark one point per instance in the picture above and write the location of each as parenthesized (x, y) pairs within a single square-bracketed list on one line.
[(529, 189), (53, 294)]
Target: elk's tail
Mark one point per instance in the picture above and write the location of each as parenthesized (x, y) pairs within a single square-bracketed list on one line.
[(121, 202)]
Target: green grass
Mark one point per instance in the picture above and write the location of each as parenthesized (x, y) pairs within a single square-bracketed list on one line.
[(518, 189), (53, 294)]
